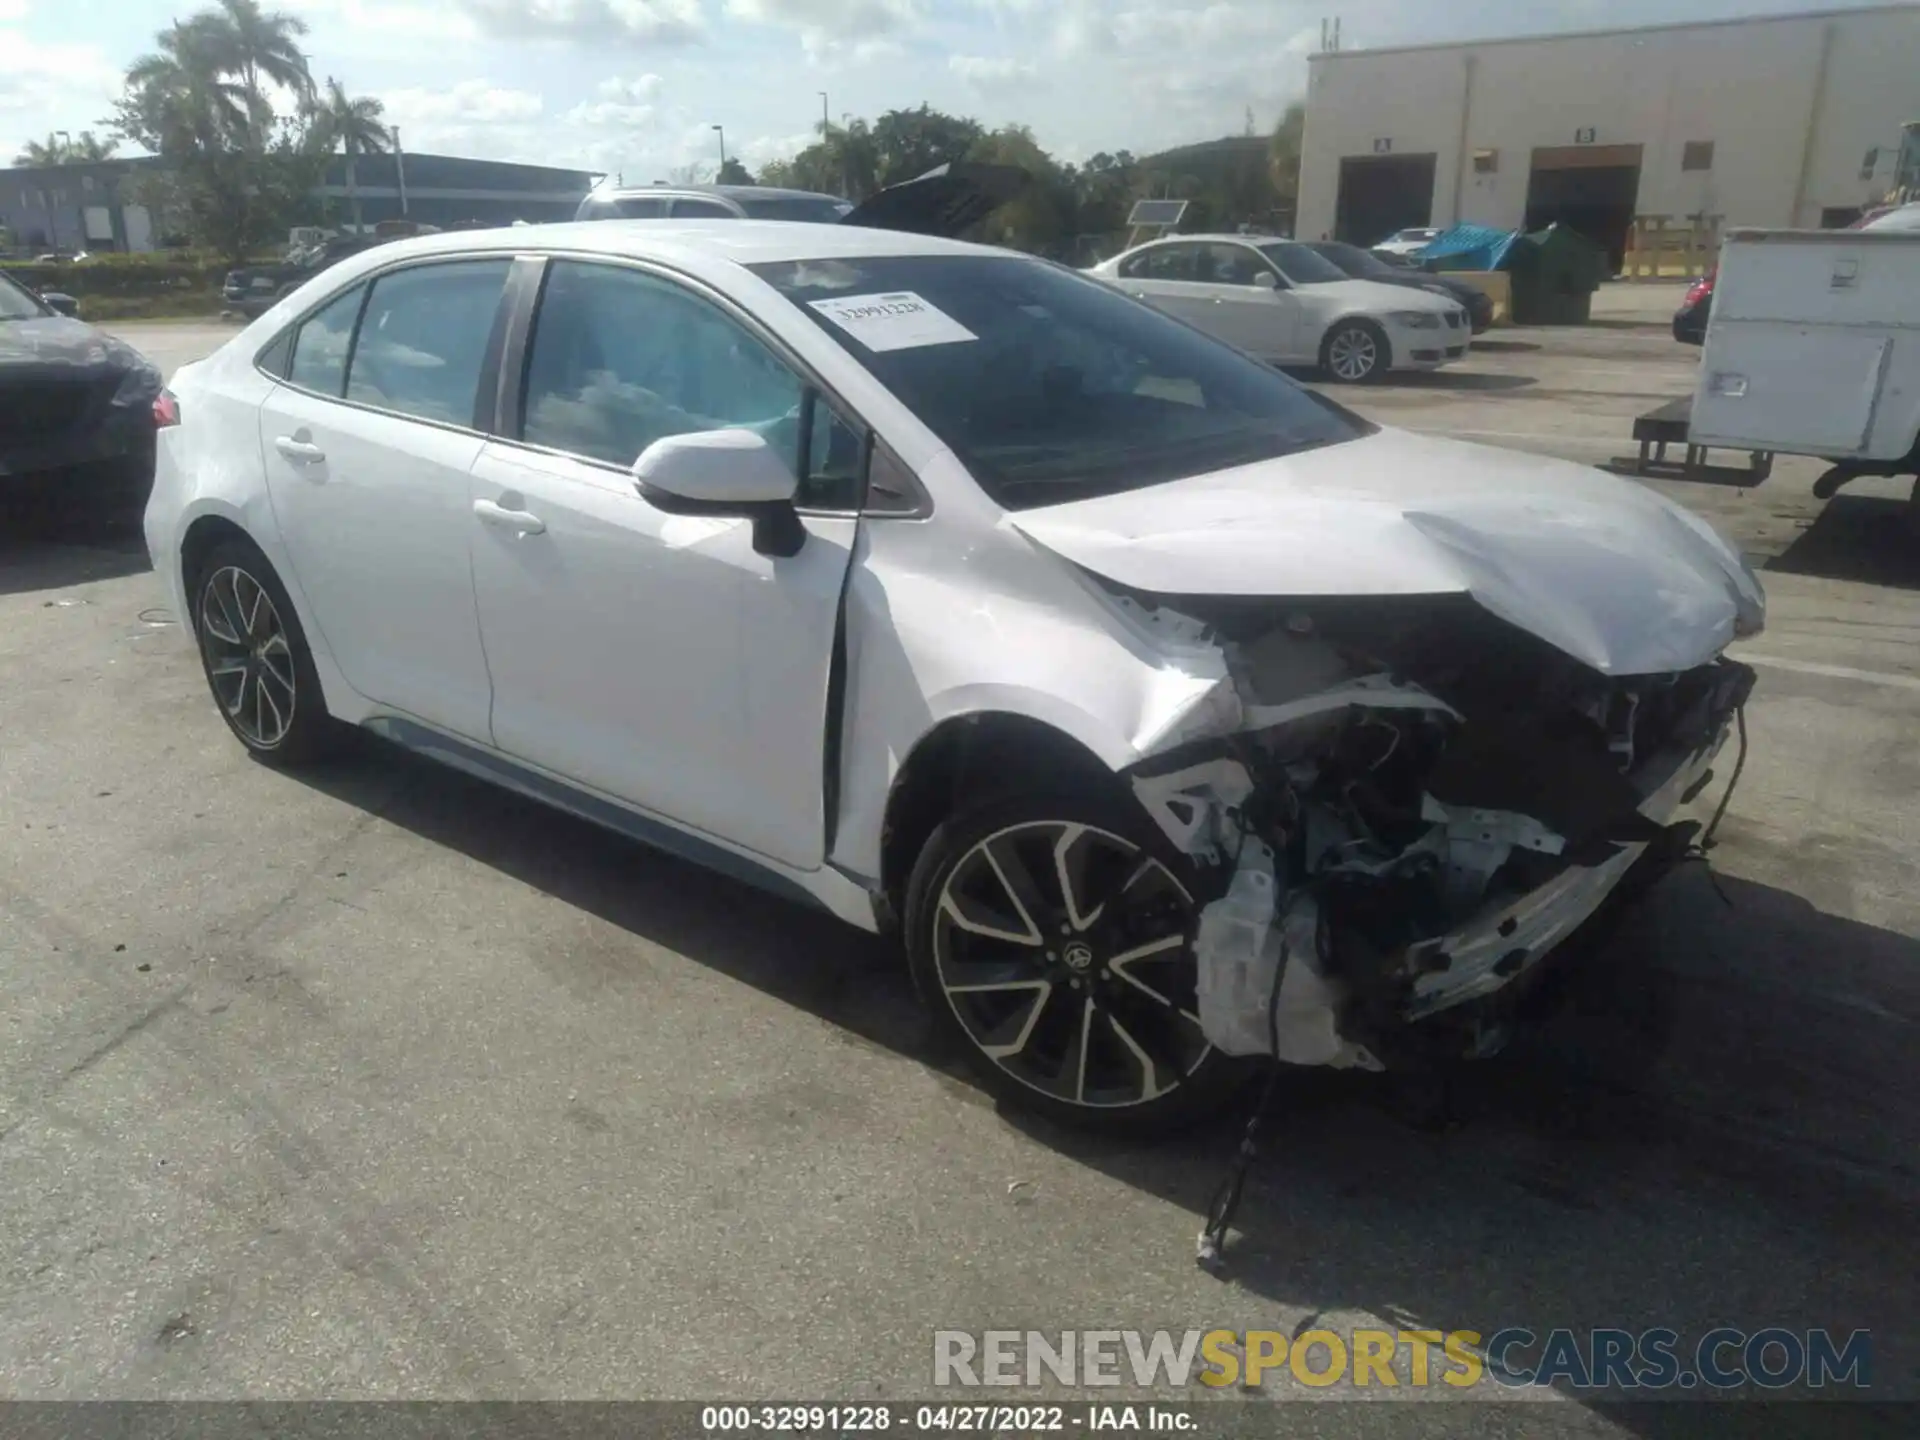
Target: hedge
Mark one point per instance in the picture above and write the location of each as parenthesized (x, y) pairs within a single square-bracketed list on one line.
[(125, 275)]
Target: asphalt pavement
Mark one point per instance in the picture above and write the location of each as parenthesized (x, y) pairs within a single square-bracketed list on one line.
[(380, 1083)]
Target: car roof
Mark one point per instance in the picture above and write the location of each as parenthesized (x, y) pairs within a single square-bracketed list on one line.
[(727, 192), (1219, 236), (744, 242)]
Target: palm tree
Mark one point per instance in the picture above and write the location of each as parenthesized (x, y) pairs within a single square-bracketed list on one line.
[(53, 152), (193, 104), (356, 126), (56, 151), (255, 45)]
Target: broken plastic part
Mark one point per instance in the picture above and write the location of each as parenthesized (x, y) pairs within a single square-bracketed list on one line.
[(1249, 944)]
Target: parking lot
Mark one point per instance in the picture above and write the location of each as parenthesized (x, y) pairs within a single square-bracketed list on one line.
[(383, 1083)]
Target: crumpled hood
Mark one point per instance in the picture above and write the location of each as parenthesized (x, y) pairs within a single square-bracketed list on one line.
[(56, 346), (1609, 571)]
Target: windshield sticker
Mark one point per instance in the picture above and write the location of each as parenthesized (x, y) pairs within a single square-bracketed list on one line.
[(899, 321)]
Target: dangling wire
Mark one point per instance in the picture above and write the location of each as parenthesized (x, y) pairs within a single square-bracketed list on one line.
[(1209, 1253)]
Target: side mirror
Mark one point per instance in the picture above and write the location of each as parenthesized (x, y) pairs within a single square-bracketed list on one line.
[(724, 473), (1266, 280), (61, 304)]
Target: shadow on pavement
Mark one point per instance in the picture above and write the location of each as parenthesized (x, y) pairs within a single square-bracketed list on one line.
[(1866, 538), (1715, 1127), (1504, 347), (43, 553), (1454, 380)]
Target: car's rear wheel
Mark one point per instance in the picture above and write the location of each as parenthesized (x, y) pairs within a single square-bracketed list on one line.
[(1051, 936), (1355, 351), (256, 658)]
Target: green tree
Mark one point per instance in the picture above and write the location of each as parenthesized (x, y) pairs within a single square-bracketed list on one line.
[(908, 143), (55, 150), (1283, 164), (355, 126), (732, 172), (235, 171), (1043, 217), (252, 45)]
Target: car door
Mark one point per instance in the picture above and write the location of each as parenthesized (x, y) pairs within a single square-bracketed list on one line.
[(1251, 304), (661, 659), (1165, 276), (367, 443)]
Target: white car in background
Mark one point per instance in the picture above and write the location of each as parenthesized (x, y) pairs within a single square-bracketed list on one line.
[(1281, 302), (955, 593), (1408, 242)]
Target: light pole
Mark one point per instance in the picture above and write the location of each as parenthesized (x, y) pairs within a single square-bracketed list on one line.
[(721, 132), (826, 124)]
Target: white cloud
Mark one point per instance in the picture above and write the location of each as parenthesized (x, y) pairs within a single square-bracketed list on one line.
[(477, 102), (762, 148), (624, 104), (841, 19), (47, 87), (638, 22), (13, 10), (992, 72)]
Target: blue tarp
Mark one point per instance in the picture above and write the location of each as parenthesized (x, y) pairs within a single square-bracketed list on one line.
[(1468, 247)]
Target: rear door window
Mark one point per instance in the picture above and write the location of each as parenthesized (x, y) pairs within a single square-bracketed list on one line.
[(687, 207), (321, 343), (423, 339), (1163, 262)]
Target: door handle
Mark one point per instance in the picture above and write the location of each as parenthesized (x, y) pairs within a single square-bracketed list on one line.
[(521, 522), (302, 451)]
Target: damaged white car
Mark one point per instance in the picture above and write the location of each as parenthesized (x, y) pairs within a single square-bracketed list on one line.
[(1174, 713)]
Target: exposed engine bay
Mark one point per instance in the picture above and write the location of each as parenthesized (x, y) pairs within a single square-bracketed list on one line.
[(1398, 806)]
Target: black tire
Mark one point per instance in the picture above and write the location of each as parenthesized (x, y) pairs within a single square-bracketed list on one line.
[(288, 725), (1182, 1082), (1365, 337)]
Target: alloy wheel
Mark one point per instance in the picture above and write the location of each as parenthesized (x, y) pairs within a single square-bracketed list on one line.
[(1065, 952), (1353, 354), (249, 658)]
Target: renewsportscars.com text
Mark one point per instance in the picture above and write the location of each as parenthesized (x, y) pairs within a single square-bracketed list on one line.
[(1599, 1359)]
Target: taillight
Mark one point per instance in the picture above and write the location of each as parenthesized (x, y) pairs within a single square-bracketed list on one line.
[(166, 410), (1699, 290)]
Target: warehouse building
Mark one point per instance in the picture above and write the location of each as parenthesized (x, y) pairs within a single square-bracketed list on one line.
[(1789, 120), (94, 206)]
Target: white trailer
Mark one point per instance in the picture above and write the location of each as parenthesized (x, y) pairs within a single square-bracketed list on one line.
[(1814, 349)]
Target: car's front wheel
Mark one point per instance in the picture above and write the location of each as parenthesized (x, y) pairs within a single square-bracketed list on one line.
[(1052, 937), (1355, 351), (256, 658)]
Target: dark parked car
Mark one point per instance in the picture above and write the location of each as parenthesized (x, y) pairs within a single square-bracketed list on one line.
[(256, 289), (945, 201), (1690, 320), (1365, 265), (76, 410)]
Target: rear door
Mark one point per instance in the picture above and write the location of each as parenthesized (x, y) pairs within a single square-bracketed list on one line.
[(1167, 277), (367, 443)]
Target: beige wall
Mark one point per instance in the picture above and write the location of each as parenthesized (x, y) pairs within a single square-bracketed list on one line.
[(1748, 87)]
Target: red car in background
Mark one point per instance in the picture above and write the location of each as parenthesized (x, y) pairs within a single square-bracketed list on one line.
[(1690, 320)]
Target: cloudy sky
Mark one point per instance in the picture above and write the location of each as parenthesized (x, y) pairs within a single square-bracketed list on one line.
[(635, 86)]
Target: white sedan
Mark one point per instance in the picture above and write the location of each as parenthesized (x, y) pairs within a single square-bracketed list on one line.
[(1280, 301), (1170, 712)]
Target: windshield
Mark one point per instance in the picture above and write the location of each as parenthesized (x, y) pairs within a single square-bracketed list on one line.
[(823, 209), (1301, 265), (1352, 260), (1051, 387), (16, 303)]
